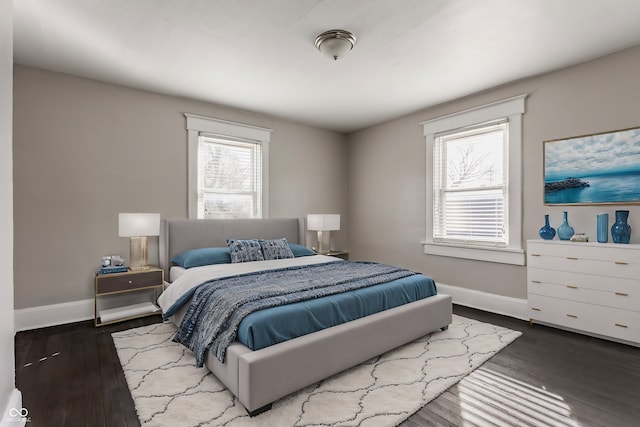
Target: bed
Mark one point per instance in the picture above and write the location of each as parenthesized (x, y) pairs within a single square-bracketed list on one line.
[(260, 377)]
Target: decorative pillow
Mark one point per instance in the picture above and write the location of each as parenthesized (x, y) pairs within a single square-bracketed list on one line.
[(276, 249), (203, 256), (299, 250), (245, 250)]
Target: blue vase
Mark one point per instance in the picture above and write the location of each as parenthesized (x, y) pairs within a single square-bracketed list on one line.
[(547, 232), (620, 230), (603, 227), (565, 231)]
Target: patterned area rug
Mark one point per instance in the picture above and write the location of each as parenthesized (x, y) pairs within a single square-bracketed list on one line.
[(168, 390)]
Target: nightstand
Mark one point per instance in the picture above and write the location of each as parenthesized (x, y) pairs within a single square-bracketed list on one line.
[(113, 287), (339, 254)]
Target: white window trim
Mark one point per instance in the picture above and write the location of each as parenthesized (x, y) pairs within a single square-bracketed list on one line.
[(223, 128), (513, 109)]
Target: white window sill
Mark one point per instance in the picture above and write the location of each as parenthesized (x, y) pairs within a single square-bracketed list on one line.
[(499, 255)]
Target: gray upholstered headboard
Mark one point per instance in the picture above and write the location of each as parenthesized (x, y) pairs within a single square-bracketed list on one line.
[(179, 235)]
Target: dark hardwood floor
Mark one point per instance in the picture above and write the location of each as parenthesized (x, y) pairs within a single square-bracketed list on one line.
[(70, 375), (547, 377)]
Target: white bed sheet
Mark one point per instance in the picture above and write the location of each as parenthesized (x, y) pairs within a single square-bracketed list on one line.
[(176, 271)]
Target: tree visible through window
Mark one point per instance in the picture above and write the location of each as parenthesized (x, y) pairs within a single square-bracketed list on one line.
[(228, 169), (229, 179), (474, 183), (470, 185)]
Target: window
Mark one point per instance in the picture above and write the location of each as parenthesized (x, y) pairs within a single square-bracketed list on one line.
[(227, 169), (229, 178), (470, 186), (474, 183)]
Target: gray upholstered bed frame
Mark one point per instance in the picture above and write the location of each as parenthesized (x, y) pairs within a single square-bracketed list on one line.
[(260, 377)]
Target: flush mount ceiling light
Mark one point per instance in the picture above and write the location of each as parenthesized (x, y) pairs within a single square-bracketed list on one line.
[(335, 43)]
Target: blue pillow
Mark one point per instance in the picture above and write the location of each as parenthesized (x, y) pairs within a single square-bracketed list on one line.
[(299, 250), (245, 250), (203, 256), (276, 249)]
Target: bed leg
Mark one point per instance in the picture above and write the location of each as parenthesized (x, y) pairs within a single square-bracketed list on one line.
[(258, 411), (444, 328)]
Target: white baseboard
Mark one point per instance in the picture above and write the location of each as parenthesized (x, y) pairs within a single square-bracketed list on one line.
[(77, 311), (499, 304), (51, 315), (14, 414), (70, 312)]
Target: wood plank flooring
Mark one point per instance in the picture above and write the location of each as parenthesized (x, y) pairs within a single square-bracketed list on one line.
[(70, 375), (547, 377)]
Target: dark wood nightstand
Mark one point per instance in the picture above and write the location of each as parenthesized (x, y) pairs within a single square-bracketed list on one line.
[(339, 254), (108, 285)]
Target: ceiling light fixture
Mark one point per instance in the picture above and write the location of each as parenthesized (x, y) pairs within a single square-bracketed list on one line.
[(335, 43)]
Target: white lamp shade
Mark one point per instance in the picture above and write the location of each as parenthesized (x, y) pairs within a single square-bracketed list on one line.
[(138, 224), (323, 222)]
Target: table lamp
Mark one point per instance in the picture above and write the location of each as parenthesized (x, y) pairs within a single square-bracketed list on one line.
[(138, 226), (323, 223)]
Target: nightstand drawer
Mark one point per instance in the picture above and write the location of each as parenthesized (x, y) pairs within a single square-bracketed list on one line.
[(127, 281)]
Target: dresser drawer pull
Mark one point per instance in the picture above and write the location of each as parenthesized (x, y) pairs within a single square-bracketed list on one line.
[(130, 282), (572, 316), (622, 294), (572, 287), (572, 258), (536, 281), (620, 325), (535, 254), (621, 263), (535, 309)]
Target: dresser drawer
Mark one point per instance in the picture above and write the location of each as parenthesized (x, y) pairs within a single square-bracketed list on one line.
[(609, 291), (571, 263), (596, 319), (128, 281), (609, 252)]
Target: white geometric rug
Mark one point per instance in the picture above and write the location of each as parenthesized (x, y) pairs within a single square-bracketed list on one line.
[(168, 390)]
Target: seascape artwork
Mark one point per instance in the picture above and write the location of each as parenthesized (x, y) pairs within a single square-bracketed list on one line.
[(602, 168)]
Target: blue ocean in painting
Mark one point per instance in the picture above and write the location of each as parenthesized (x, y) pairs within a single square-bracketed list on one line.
[(609, 188)]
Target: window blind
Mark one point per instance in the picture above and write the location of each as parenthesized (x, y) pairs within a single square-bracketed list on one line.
[(229, 178), (470, 185)]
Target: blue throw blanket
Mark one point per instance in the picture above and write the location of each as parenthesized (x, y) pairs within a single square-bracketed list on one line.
[(218, 306)]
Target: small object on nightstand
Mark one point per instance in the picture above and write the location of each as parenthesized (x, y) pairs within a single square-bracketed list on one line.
[(117, 260), (112, 264), (135, 283), (339, 254), (113, 269)]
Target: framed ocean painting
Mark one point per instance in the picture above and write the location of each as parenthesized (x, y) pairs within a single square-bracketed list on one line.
[(602, 168)]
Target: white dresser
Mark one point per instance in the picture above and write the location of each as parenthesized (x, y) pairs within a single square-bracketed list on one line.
[(587, 287)]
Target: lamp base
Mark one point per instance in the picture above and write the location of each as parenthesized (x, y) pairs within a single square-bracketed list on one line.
[(324, 243), (138, 254)]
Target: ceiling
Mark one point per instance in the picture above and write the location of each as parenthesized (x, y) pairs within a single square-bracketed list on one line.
[(260, 56)]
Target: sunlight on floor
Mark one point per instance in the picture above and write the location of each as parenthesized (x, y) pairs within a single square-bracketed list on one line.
[(490, 398)]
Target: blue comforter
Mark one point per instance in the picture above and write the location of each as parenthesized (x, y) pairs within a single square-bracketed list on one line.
[(218, 306), (264, 328)]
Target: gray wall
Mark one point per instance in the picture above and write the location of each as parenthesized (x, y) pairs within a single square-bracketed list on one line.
[(386, 169), (7, 373), (85, 151)]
